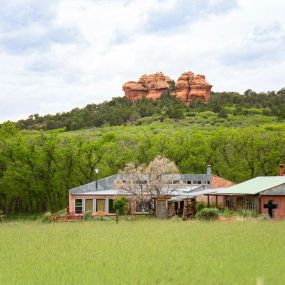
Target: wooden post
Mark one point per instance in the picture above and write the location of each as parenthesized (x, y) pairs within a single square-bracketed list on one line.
[(117, 216)]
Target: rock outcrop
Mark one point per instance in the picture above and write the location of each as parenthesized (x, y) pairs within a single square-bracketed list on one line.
[(190, 87), (152, 86), (187, 88)]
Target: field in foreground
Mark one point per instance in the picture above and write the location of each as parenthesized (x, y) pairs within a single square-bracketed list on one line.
[(142, 252)]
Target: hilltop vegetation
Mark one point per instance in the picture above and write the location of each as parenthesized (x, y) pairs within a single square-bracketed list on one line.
[(120, 111)]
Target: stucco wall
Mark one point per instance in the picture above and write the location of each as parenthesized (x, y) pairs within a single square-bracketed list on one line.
[(84, 197), (278, 213)]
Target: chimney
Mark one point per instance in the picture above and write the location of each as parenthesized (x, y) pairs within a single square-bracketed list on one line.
[(281, 169), (209, 169)]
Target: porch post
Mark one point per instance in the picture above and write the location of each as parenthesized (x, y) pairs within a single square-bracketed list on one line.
[(94, 206), (83, 205), (107, 205)]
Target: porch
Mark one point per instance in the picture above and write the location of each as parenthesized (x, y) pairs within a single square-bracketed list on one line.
[(237, 203)]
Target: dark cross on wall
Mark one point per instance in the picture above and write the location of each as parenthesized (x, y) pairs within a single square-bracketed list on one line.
[(270, 206)]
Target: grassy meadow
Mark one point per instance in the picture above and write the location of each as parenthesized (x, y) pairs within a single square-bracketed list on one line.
[(142, 252)]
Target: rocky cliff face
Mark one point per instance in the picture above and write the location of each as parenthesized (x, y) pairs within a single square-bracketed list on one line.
[(152, 86), (187, 88)]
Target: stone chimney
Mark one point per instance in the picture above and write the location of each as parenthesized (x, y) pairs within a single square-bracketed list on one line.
[(209, 169), (281, 169)]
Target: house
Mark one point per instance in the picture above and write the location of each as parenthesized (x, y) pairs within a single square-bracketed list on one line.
[(97, 197), (262, 195)]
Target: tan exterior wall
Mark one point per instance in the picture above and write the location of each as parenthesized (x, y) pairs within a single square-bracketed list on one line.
[(84, 197), (132, 202)]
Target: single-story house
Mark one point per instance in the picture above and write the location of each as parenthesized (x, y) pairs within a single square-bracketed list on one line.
[(98, 196), (262, 195)]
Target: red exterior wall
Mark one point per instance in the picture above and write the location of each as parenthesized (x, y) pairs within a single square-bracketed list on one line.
[(217, 182), (278, 213)]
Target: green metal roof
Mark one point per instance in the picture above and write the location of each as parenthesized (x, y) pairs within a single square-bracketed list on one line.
[(254, 186)]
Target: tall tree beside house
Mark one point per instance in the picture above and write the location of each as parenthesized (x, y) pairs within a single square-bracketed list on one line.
[(145, 182)]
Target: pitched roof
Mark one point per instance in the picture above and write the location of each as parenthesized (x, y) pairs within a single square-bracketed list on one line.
[(254, 186)]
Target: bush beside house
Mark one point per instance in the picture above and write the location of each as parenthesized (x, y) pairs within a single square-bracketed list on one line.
[(208, 214)]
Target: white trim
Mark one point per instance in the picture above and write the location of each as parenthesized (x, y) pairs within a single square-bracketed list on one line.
[(107, 205), (75, 207), (83, 205), (94, 205)]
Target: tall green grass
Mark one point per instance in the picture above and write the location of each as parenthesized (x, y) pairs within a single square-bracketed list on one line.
[(142, 252)]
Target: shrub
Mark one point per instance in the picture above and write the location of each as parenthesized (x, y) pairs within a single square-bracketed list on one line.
[(62, 213), (88, 216), (208, 214), (200, 206), (45, 218), (227, 212), (121, 205), (102, 218), (263, 217)]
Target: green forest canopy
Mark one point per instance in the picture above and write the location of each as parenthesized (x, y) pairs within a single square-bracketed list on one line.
[(241, 138)]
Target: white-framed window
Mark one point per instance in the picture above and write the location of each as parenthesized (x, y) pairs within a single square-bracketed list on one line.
[(78, 206)]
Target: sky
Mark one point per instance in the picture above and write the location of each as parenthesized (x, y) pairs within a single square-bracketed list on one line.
[(56, 55)]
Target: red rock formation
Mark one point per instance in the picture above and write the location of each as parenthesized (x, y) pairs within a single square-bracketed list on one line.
[(188, 87), (152, 86), (183, 86)]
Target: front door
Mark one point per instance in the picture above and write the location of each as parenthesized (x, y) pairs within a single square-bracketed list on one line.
[(161, 209)]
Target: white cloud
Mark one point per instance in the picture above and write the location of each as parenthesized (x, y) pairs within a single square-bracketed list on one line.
[(73, 52)]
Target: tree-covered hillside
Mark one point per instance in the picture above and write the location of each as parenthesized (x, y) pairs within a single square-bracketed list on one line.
[(38, 167), (120, 111), (41, 158)]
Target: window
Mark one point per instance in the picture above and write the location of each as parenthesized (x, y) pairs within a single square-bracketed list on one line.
[(189, 182), (111, 206), (78, 206), (176, 181), (199, 182), (209, 182), (100, 205), (89, 205), (195, 182)]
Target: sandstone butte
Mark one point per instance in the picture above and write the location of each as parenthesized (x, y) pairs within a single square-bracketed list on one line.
[(152, 86)]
